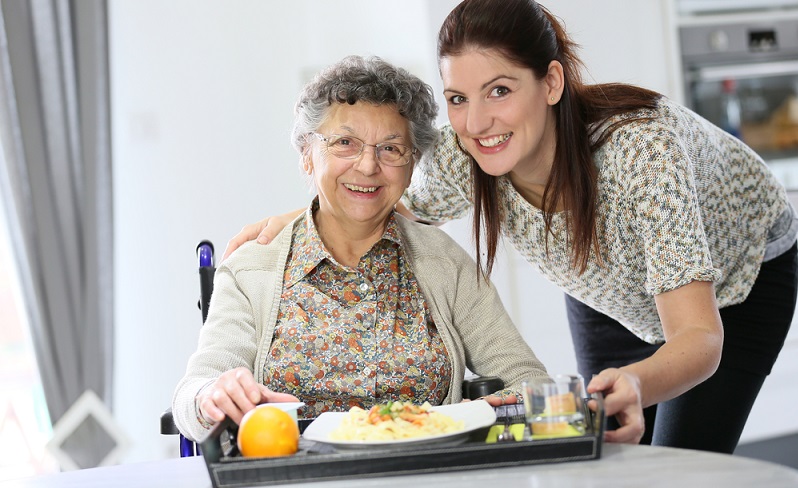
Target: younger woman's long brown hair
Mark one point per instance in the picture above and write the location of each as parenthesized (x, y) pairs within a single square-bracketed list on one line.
[(531, 37)]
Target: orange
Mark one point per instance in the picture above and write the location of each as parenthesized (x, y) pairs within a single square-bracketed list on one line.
[(267, 432)]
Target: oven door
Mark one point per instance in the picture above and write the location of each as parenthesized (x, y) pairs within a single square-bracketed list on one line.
[(767, 103)]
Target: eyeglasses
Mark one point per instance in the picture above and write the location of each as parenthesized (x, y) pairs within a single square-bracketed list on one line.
[(349, 147)]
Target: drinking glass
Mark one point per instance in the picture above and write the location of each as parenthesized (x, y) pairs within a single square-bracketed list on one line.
[(555, 406)]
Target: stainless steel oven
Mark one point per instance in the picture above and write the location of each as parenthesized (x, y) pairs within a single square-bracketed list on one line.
[(743, 76)]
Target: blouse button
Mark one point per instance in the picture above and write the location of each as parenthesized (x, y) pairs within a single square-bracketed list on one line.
[(364, 287)]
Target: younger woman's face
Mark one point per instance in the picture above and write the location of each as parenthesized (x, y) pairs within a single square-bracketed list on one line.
[(501, 112)]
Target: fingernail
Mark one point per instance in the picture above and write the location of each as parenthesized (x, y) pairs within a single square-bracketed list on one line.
[(263, 240)]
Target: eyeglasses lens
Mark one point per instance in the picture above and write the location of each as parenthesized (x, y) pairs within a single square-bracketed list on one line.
[(350, 147)]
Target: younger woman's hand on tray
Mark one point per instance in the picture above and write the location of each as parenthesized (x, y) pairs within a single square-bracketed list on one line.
[(622, 398), (235, 393)]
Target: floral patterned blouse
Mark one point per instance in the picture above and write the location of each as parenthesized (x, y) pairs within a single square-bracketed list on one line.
[(354, 336), (679, 201)]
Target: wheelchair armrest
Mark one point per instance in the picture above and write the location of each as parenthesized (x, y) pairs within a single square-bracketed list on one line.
[(168, 426), (480, 386)]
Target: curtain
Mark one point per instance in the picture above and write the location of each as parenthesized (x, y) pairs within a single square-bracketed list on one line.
[(55, 177)]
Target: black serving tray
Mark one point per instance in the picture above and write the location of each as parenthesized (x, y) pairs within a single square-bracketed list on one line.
[(318, 462)]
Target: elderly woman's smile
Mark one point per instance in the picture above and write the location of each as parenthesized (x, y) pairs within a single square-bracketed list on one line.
[(361, 189)]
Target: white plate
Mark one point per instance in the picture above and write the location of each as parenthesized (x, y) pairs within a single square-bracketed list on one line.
[(475, 415)]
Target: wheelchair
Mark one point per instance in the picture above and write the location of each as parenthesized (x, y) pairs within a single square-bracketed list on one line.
[(207, 268), (473, 387)]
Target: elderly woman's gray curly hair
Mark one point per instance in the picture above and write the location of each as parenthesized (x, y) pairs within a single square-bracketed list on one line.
[(373, 80)]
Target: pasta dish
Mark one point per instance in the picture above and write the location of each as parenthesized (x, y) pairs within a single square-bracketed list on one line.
[(392, 421)]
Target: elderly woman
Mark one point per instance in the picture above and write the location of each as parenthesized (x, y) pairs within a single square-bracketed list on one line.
[(352, 304)]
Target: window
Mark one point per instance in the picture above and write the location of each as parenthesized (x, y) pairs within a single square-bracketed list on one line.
[(24, 421)]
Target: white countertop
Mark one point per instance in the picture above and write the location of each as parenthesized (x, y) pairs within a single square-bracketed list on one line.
[(620, 466)]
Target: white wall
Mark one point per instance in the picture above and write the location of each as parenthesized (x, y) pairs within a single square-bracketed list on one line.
[(202, 97)]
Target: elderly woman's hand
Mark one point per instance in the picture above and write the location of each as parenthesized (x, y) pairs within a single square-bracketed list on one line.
[(622, 398), (235, 393), (497, 400)]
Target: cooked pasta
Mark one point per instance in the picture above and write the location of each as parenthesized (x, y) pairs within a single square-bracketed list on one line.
[(392, 421)]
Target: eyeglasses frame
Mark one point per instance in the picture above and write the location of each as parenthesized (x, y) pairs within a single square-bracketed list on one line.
[(407, 159)]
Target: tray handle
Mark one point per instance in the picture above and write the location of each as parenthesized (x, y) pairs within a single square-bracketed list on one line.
[(598, 418), (220, 441)]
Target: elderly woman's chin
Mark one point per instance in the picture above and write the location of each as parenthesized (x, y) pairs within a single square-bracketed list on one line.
[(356, 212)]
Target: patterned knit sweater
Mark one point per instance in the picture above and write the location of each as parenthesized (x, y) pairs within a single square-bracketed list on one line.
[(679, 201)]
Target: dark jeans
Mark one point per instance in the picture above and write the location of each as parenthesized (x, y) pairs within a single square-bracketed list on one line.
[(712, 415)]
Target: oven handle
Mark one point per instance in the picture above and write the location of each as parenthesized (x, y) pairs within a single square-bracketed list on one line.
[(738, 71)]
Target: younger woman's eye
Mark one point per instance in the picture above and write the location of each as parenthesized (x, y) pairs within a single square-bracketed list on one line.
[(456, 99), (499, 91)]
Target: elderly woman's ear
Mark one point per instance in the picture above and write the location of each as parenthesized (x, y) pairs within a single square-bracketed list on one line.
[(307, 161)]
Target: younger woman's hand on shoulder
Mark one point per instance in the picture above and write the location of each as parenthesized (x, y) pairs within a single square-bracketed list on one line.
[(264, 231), (247, 233), (622, 398)]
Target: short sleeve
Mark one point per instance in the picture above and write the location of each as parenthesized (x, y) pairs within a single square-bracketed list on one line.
[(441, 186), (667, 212)]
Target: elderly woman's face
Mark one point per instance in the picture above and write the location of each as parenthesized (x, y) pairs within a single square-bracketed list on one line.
[(360, 190)]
